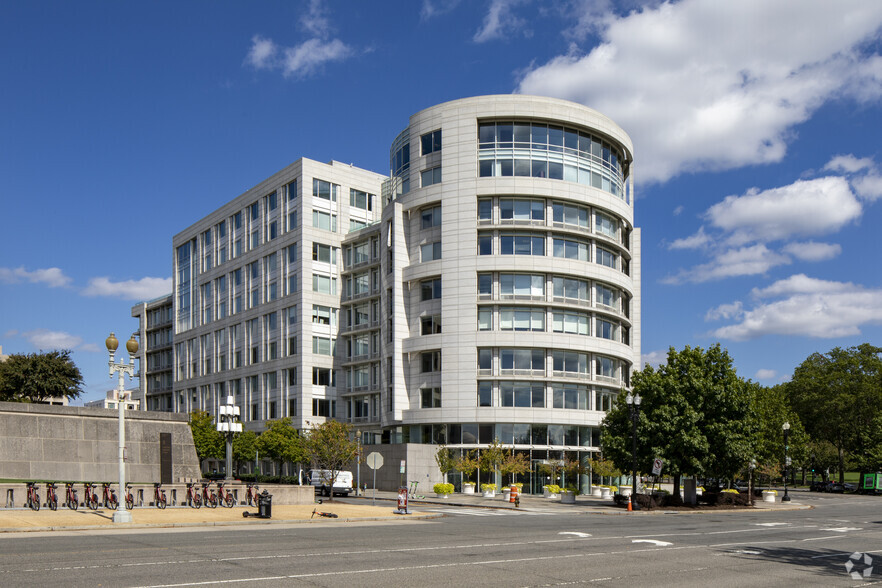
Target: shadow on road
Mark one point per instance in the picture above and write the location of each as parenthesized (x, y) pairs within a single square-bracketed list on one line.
[(822, 562)]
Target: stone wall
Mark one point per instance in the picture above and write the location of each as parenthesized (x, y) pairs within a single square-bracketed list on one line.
[(72, 443), (420, 466)]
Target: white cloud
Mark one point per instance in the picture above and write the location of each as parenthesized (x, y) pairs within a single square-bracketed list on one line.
[(802, 284), (869, 186), (744, 261), (433, 8), (143, 289), (705, 85), (696, 241), (725, 311), (848, 164), (678, 211), (764, 374), (52, 277), (803, 208), (262, 53), (306, 58), (500, 21), (654, 358), (811, 251), (807, 307), (47, 340)]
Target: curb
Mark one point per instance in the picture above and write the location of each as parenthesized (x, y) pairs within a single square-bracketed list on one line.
[(251, 521)]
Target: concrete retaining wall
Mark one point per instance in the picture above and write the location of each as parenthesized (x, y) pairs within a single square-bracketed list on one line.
[(72, 443), (420, 466)]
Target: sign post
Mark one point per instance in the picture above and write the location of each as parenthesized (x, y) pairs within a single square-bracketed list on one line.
[(374, 461)]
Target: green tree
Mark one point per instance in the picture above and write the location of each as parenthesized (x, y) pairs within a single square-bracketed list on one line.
[(837, 396), (208, 440), (329, 447), (281, 442), (244, 447), (772, 410), (34, 377), (492, 456), (696, 414), (445, 460), (514, 464), (466, 463)]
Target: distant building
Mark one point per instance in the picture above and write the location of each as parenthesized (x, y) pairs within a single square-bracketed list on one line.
[(110, 401), (155, 353)]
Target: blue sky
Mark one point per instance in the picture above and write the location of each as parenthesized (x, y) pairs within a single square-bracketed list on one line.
[(755, 127)]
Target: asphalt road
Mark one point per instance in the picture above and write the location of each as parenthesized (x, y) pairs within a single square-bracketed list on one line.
[(539, 547)]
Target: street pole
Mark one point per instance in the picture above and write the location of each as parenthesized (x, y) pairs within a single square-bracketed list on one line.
[(633, 410), (786, 428), (358, 462), (226, 423), (121, 514)]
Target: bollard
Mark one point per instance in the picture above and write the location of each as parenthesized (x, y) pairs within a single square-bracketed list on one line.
[(513, 497)]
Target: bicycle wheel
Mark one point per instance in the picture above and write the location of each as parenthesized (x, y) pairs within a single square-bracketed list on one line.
[(52, 503), (130, 502), (93, 502), (35, 503), (160, 502), (114, 503), (73, 502), (197, 501), (229, 501), (211, 502)]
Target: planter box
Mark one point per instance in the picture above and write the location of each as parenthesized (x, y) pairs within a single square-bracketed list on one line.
[(597, 492), (626, 490), (444, 496), (605, 493), (468, 488), (489, 493), (769, 496), (506, 495), (567, 497)]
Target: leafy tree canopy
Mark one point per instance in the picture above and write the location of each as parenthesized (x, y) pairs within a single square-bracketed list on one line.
[(245, 446), (281, 442), (208, 440), (34, 377), (329, 446)]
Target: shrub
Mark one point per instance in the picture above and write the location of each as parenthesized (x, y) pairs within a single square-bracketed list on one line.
[(552, 488), (443, 488), (488, 487)]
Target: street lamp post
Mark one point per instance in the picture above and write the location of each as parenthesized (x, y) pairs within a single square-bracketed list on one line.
[(358, 462), (226, 423), (121, 514), (786, 428), (634, 411)]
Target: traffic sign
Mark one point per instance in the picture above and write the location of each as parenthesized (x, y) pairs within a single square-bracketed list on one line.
[(657, 466), (374, 460)]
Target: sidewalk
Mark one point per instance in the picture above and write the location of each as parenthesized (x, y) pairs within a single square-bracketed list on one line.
[(348, 510)]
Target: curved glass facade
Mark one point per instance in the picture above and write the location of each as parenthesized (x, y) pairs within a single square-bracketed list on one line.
[(540, 150)]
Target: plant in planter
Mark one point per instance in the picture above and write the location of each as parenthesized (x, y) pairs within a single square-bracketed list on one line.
[(568, 495), (551, 490), (466, 463), (489, 490), (443, 490)]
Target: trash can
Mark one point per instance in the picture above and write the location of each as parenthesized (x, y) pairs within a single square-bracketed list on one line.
[(265, 505)]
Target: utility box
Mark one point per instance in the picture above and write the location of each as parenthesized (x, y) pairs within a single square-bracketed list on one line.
[(872, 483)]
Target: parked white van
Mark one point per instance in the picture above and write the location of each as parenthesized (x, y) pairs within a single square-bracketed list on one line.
[(321, 480)]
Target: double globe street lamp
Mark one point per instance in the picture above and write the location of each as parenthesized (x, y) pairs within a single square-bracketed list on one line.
[(634, 411), (121, 514)]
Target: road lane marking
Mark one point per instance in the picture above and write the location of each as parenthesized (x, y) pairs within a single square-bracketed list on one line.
[(653, 541), (576, 533)]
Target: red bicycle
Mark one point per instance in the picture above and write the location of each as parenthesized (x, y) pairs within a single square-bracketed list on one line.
[(225, 496), (130, 500), (159, 495), (90, 499), (70, 496), (51, 498), (208, 496), (251, 494), (33, 501), (193, 497), (108, 498)]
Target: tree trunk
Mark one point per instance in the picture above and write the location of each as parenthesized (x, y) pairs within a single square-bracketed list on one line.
[(676, 491), (841, 464)]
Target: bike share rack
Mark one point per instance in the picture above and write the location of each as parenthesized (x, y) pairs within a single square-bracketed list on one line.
[(10, 498)]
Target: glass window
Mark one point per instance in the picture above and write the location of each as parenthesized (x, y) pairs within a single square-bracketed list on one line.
[(605, 225), (522, 244), (605, 366), (570, 362), (569, 214), (570, 249), (254, 211), (485, 244), (522, 394), (272, 201), (291, 190), (324, 253), (431, 142), (430, 289), (430, 361), (430, 176), (430, 397), (605, 296), (570, 288), (521, 319), (485, 285), (323, 346), (430, 251), (237, 220), (605, 329), (359, 199), (485, 360), (324, 284), (485, 319), (485, 394), (324, 220), (522, 359), (430, 325), (521, 210), (291, 313), (485, 209), (324, 190), (570, 396), (521, 285), (605, 257), (430, 217), (570, 322)]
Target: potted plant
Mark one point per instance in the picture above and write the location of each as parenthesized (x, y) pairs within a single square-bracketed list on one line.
[(568, 495), (551, 491), (443, 490), (489, 490), (466, 464)]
